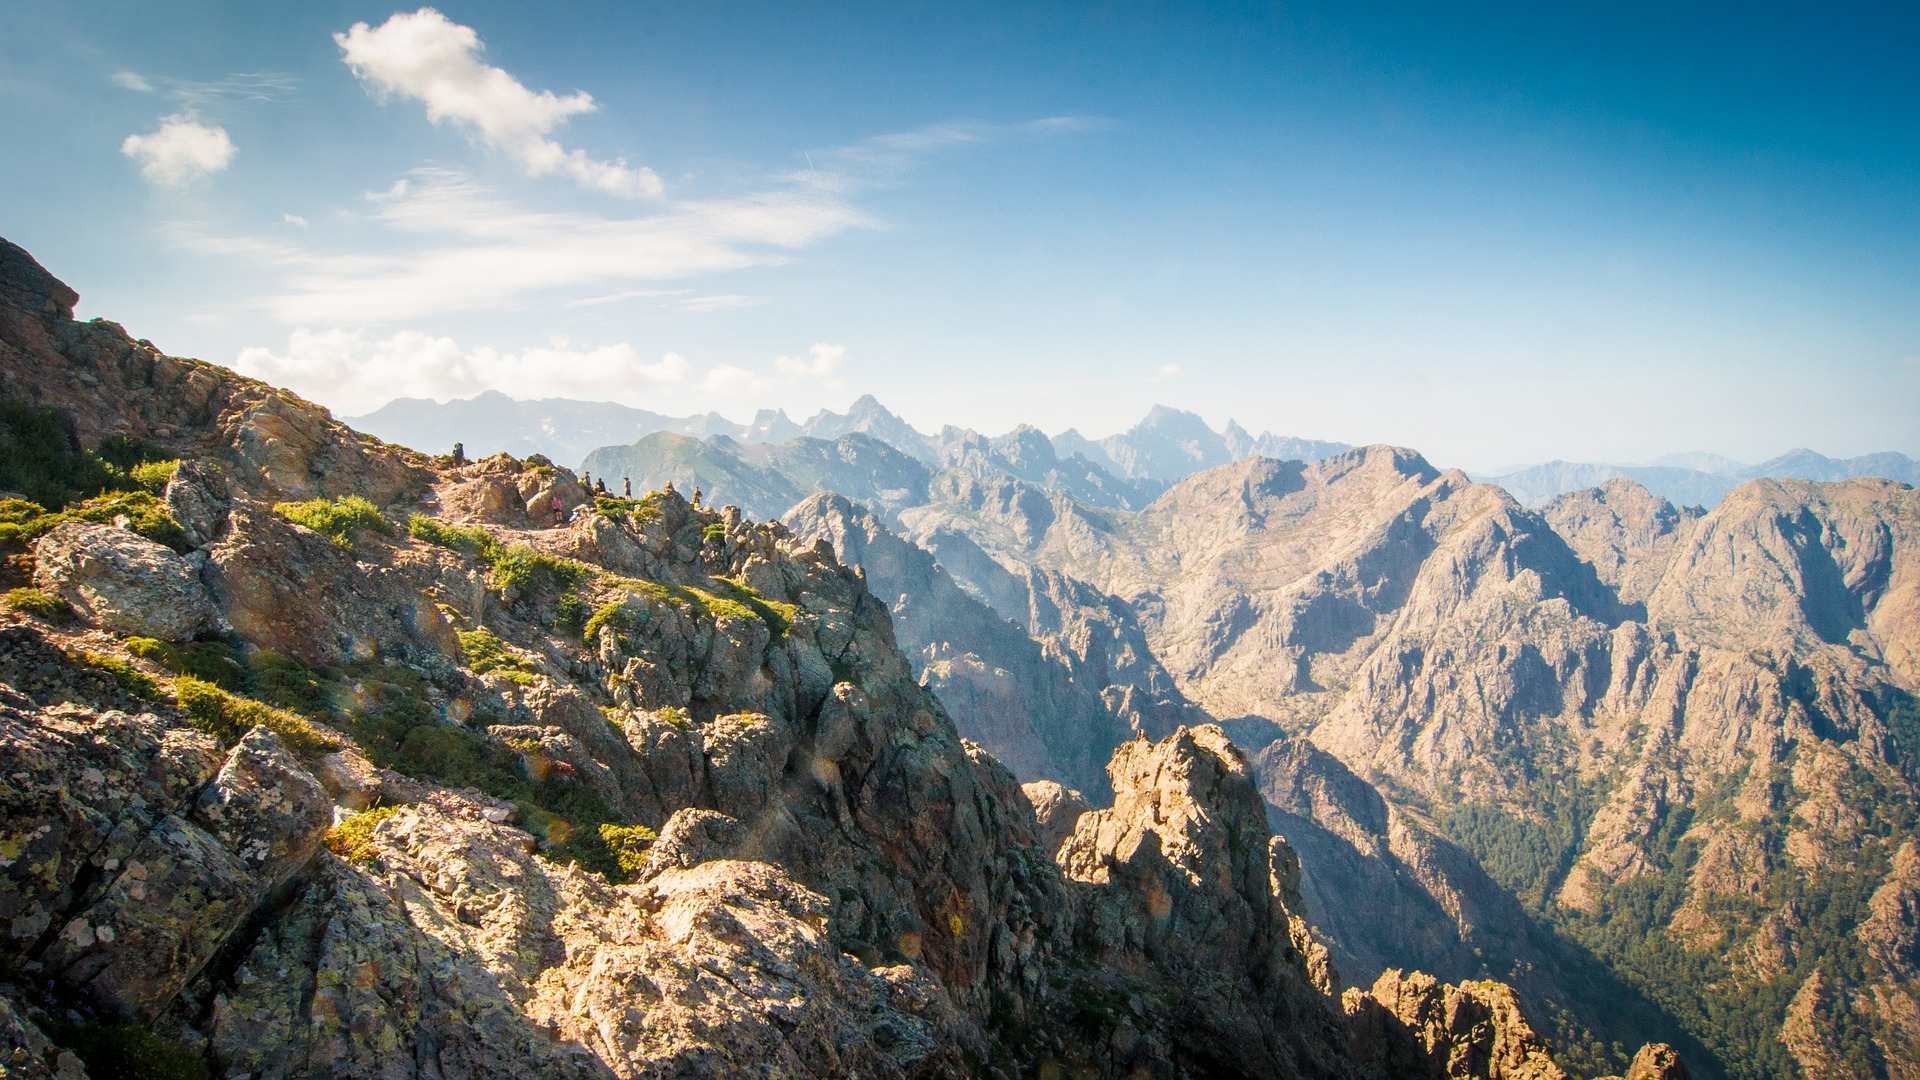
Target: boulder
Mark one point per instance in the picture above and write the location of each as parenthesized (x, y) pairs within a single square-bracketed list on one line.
[(121, 581)]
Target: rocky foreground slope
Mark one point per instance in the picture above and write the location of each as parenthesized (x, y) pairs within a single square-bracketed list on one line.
[(323, 758)]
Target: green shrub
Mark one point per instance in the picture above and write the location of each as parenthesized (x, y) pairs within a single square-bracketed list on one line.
[(36, 603), (614, 507), (227, 717), (153, 475), (352, 839), (776, 614), (521, 571), (126, 453), (485, 652), (21, 521), (126, 1052), (217, 662), (614, 615), (336, 519), (714, 532), (125, 675), (628, 844), (474, 542), (571, 612), (40, 458)]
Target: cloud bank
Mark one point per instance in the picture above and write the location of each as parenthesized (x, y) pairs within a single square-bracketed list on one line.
[(353, 373), (430, 58)]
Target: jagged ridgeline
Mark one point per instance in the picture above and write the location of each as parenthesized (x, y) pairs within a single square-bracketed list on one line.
[(322, 757)]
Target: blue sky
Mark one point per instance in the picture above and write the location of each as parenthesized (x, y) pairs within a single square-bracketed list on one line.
[(1496, 235)]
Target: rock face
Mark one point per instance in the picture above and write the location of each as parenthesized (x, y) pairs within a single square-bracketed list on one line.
[(122, 581), (1412, 1025), (1202, 905)]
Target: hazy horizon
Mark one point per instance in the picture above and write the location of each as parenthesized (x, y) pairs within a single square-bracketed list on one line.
[(1495, 237)]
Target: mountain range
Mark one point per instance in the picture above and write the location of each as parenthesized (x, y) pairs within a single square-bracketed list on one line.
[(1697, 479), (1137, 464)]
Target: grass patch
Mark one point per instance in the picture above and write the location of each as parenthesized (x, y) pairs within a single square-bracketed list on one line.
[(521, 572), (473, 542), (218, 662), (125, 675), (352, 839), (714, 533), (227, 717), (152, 476), (609, 615), (777, 615), (35, 603), (726, 600), (485, 653), (336, 519)]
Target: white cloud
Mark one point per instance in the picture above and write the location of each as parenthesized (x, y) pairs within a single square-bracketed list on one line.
[(729, 381), (353, 374), (181, 151), (1168, 371), (484, 252), (294, 220), (429, 57), (821, 360), (132, 80)]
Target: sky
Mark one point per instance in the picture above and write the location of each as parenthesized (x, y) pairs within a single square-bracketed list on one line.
[(1497, 234)]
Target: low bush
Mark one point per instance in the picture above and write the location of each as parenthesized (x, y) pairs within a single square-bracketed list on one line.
[(352, 839), (227, 717), (42, 459), (22, 522), (521, 572), (218, 662), (336, 519), (485, 653), (36, 603), (474, 542), (125, 675), (628, 844)]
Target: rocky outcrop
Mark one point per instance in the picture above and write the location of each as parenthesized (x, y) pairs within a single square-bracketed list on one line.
[(1414, 1026), (132, 851), (1057, 809), (1191, 895), (121, 581)]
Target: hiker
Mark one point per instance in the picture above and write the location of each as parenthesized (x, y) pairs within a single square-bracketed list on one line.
[(459, 454), (600, 486), (696, 498), (559, 514), (626, 487)]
